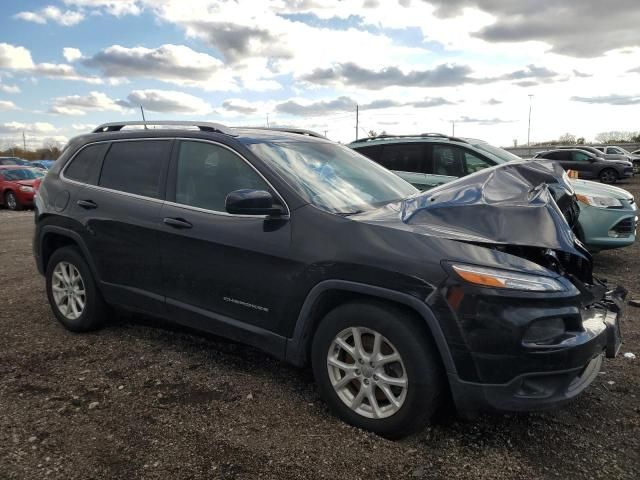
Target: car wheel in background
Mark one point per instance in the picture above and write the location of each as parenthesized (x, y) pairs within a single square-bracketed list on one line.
[(72, 291), (608, 175), (377, 368), (636, 167), (11, 201)]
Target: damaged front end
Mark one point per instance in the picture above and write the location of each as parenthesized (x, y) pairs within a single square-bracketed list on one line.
[(527, 209), (536, 338)]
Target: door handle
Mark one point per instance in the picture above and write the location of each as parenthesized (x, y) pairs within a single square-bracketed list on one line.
[(87, 204), (177, 222)]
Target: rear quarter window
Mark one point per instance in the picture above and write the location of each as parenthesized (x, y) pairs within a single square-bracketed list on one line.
[(137, 167), (85, 166)]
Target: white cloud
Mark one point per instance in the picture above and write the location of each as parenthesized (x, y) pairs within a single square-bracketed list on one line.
[(112, 7), (66, 18), (167, 101), (31, 17), (18, 58), (83, 126), (169, 63), (15, 57), (64, 71), (81, 104), (260, 45), (71, 54), (7, 105), (9, 88), (18, 127), (238, 105)]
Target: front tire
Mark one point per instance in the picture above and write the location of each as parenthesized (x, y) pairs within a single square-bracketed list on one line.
[(73, 295), (608, 175), (377, 368), (12, 202)]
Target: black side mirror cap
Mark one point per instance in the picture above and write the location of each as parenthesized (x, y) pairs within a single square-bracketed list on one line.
[(251, 202)]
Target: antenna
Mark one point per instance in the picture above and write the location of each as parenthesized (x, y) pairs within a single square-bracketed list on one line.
[(143, 119)]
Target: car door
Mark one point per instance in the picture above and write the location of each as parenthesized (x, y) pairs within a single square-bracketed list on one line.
[(563, 157), (119, 207), (449, 161), (408, 160), (584, 163), (223, 273)]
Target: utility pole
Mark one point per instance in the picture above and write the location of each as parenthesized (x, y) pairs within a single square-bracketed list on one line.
[(357, 119), (24, 142), (529, 129), (267, 120), (453, 128)]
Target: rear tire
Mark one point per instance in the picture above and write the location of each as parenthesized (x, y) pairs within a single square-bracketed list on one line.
[(400, 396), (608, 175), (12, 202), (73, 295)]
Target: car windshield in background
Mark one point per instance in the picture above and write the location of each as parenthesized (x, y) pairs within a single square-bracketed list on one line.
[(22, 174), (333, 177)]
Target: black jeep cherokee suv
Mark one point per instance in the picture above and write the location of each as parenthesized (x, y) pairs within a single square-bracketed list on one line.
[(399, 300)]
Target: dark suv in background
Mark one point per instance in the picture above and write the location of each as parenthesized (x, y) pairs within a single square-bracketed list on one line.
[(588, 165), (399, 300)]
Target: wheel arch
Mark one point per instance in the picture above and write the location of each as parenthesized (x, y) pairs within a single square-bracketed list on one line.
[(53, 238), (328, 294), (609, 168)]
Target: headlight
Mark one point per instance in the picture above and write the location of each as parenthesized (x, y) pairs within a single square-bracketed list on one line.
[(600, 202), (25, 188), (496, 278)]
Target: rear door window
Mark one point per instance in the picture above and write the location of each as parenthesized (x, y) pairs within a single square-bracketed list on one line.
[(372, 151), (137, 167), (581, 157), (448, 160), (85, 166), (474, 163), (404, 157), (558, 155)]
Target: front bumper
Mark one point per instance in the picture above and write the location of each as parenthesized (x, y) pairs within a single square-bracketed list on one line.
[(549, 375), (25, 198), (601, 227)]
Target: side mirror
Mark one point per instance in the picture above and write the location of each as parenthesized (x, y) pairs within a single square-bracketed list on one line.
[(251, 202)]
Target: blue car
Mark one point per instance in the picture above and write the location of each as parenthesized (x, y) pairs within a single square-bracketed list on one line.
[(6, 161), (45, 164)]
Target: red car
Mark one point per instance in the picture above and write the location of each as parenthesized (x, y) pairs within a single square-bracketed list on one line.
[(17, 186)]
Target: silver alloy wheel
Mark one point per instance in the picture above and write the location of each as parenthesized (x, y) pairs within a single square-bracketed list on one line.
[(367, 372), (12, 202), (68, 290)]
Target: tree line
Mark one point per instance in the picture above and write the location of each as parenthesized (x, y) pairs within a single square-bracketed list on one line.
[(612, 137)]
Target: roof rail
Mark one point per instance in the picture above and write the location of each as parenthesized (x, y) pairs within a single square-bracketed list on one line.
[(203, 126), (301, 131), (420, 135)]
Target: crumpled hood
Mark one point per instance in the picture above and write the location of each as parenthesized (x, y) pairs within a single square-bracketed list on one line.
[(516, 203)]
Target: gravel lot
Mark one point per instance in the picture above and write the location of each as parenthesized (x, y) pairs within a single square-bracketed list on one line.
[(143, 400)]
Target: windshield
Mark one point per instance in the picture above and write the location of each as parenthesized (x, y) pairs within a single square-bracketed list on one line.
[(333, 177), (500, 153), (22, 174)]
